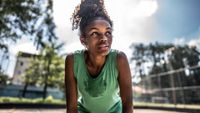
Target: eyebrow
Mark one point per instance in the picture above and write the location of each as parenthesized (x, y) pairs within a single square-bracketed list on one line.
[(94, 28)]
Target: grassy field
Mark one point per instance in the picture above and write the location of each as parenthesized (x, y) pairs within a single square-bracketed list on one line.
[(51, 100), (48, 100), (163, 105)]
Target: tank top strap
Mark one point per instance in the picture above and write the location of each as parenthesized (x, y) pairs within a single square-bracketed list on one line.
[(113, 59), (78, 62)]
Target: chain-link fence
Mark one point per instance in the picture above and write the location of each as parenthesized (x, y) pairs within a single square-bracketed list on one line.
[(180, 86)]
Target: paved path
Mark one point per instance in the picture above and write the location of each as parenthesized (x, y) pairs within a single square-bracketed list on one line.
[(63, 111)]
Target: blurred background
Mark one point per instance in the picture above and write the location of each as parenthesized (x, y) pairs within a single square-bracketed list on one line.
[(161, 39)]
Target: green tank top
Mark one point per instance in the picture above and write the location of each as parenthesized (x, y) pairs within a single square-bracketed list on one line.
[(100, 94)]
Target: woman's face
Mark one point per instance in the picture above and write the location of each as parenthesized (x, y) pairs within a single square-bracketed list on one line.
[(98, 37)]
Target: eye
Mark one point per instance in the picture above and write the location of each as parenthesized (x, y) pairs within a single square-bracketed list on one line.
[(94, 34), (108, 34)]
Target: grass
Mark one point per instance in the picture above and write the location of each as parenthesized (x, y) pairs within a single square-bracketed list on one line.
[(48, 100), (51, 100), (167, 105)]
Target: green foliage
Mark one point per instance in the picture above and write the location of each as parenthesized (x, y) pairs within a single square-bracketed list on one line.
[(167, 105), (5, 100), (158, 54), (152, 54), (163, 58), (48, 100), (184, 55), (33, 19), (46, 69), (4, 79), (30, 18), (51, 65), (27, 18), (17, 18)]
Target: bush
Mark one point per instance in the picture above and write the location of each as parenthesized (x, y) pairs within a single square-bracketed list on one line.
[(5, 100), (49, 99)]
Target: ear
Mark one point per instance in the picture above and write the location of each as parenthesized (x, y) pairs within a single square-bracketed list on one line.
[(82, 40)]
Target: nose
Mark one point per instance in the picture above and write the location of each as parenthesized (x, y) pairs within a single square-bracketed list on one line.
[(103, 38)]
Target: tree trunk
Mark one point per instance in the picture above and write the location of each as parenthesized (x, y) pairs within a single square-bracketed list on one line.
[(25, 89), (46, 79)]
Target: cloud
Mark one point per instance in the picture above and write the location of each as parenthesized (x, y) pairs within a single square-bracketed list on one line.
[(180, 41), (146, 8), (24, 45), (195, 42), (192, 40), (72, 47), (132, 19), (133, 22)]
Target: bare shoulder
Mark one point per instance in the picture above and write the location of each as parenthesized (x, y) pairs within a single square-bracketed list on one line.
[(69, 58), (121, 58), (69, 66), (123, 65), (125, 83)]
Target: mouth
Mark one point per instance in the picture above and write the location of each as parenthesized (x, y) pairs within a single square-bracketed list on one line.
[(103, 47)]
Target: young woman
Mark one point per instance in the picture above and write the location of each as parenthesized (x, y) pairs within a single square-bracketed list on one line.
[(97, 79)]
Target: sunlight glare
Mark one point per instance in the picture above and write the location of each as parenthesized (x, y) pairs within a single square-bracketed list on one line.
[(146, 8)]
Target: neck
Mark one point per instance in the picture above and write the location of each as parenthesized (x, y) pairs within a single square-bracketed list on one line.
[(95, 60)]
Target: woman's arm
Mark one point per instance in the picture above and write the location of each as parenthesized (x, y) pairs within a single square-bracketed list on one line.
[(70, 85), (125, 83)]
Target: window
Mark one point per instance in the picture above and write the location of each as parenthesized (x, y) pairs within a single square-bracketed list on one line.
[(21, 63), (19, 72)]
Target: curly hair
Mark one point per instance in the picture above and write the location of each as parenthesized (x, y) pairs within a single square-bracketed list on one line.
[(86, 12)]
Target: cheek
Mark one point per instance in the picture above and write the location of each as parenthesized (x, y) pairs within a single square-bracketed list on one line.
[(110, 41), (90, 44)]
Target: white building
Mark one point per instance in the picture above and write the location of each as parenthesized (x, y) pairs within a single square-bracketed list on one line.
[(23, 62)]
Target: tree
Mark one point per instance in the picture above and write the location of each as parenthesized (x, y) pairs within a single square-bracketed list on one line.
[(33, 19), (30, 18), (53, 67), (185, 56), (32, 73), (46, 69), (149, 54), (139, 53), (17, 18), (3, 78), (165, 58)]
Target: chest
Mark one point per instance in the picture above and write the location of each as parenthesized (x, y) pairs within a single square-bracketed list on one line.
[(105, 83), (94, 72)]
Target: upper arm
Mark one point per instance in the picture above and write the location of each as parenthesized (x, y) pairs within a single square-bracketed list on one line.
[(125, 83), (70, 85)]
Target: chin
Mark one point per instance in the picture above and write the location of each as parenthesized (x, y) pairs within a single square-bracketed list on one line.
[(104, 53)]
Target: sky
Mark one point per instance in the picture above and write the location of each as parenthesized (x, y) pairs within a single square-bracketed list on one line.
[(135, 21)]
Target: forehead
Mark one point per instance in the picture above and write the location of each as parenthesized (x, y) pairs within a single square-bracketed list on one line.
[(99, 23)]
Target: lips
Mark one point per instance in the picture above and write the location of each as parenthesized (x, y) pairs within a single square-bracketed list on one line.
[(103, 47)]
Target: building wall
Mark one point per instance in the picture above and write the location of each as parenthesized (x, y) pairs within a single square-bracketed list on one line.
[(22, 64)]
